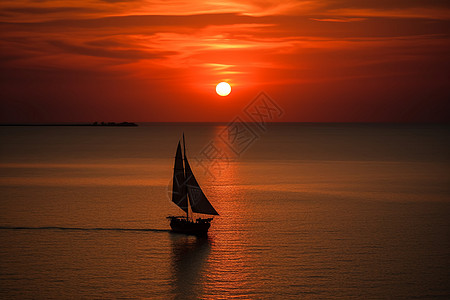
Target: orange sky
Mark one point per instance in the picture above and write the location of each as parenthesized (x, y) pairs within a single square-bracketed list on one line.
[(321, 61)]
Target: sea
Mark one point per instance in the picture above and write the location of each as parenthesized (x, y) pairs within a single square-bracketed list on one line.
[(307, 211)]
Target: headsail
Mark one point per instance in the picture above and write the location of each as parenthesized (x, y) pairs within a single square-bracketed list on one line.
[(197, 199), (179, 194)]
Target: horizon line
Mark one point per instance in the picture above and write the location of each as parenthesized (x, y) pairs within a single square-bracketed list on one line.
[(217, 123)]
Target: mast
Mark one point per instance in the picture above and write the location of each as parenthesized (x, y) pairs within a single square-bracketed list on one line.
[(187, 202)]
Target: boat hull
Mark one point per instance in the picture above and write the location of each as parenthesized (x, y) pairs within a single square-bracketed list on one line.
[(180, 225)]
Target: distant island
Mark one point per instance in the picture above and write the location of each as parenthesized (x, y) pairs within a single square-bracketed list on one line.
[(125, 124)]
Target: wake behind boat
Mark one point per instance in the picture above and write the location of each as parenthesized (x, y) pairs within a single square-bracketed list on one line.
[(187, 194)]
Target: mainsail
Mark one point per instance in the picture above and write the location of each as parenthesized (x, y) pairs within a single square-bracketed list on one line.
[(197, 199), (179, 195)]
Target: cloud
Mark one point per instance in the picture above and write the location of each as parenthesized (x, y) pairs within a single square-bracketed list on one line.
[(410, 13), (340, 20), (118, 1), (36, 10), (139, 21), (386, 4), (128, 54)]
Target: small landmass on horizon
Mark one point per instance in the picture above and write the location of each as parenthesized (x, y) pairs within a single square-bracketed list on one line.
[(127, 124)]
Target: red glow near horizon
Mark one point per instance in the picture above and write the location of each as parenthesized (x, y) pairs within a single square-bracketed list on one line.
[(322, 61)]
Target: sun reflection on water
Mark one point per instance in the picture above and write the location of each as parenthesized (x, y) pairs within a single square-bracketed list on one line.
[(228, 265)]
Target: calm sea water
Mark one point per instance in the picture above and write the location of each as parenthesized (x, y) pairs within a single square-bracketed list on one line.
[(307, 211)]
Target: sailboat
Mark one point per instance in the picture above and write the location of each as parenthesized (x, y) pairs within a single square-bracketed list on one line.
[(187, 194)]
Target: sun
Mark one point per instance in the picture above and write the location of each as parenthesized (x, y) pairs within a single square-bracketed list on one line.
[(223, 89)]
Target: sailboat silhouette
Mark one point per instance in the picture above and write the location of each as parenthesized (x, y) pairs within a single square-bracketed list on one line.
[(187, 194)]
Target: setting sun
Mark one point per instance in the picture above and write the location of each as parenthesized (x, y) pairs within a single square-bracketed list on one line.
[(223, 89)]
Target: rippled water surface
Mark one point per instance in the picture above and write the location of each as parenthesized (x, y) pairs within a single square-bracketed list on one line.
[(322, 211)]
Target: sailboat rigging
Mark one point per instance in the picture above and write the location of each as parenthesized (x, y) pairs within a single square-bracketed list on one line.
[(187, 194)]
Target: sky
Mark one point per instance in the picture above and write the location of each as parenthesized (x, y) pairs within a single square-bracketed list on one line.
[(159, 61)]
